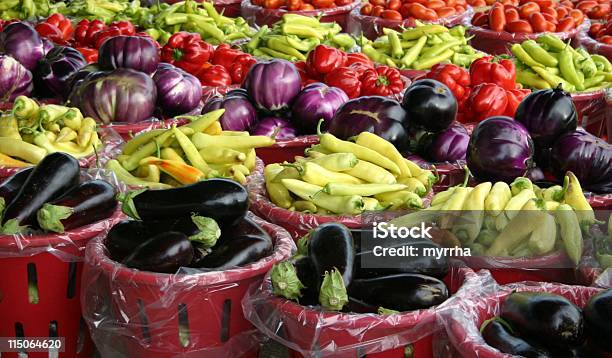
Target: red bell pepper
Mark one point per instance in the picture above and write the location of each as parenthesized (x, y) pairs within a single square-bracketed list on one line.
[(515, 97), (126, 27), (455, 78), (382, 81), (56, 28), (345, 78), (187, 51), (241, 67), (106, 34), (324, 59), (359, 57), (90, 54), (215, 75), (486, 100), (502, 73), (86, 31), (225, 55)]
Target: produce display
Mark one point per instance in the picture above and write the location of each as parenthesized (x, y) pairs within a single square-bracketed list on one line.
[(548, 62), (162, 158), (422, 47), (602, 242), (294, 36), (31, 131), (602, 32), (51, 197), (420, 10), (326, 272), (596, 10), (530, 17), (560, 328), (301, 5), (343, 177)]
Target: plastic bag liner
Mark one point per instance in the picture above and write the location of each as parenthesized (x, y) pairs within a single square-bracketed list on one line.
[(593, 46), (39, 289), (589, 272), (128, 130), (313, 332), (372, 26), (143, 314), (462, 320), (257, 15), (229, 8), (499, 42), (591, 107), (286, 150), (111, 147)]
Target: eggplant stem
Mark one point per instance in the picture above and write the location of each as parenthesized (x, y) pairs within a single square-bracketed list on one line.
[(319, 127), (467, 176)]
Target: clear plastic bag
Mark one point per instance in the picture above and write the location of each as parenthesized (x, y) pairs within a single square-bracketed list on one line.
[(462, 320), (593, 46), (372, 26), (313, 332), (143, 314), (257, 15), (286, 150), (591, 107)]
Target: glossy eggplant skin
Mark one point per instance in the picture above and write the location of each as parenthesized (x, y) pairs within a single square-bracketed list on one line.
[(241, 251), (164, 253), (554, 320), (401, 292), (123, 238), (90, 201), (244, 226), (54, 176), (331, 246), (498, 336), (598, 319), (223, 200), (10, 187), (357, 306), (308, 277)]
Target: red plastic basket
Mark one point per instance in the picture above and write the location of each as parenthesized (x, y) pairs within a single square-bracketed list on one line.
[(591, 107), (286, 150), (141, 314), (53, 264), (464, 321), (128, 130), (593, 46), (311, 332), (257, 15)]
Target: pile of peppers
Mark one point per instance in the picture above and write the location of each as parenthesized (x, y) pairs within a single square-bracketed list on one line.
[(222, 66), (354, 73), (488, 89)]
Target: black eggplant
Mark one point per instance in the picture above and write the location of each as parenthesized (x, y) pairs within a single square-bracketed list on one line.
[(331, 246), (165, 253), (430, 104), (499, 335), (87, 203), (241, 251), (598, 319), (223, 200), (583, 351), (305, 271), (551, 319), (402, 292), (357, 306), (244, 226), (10, 187), (54, 176)]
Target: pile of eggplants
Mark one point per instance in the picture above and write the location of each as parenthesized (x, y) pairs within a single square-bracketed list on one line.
[(52, 198), (545, 325), (328, 269), (272, 102), (543, 138), (201, 226)]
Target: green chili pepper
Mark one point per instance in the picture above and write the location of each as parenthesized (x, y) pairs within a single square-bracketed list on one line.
[(554, 80), (519, 52), (568, 71), (539, 54), (426, 63), (413, 53)]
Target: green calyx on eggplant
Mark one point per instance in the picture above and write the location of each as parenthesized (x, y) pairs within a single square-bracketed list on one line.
[(223, 200), (285, 281), (331, 247), (333, 295), (165, 253), (400, 292), (499, 335), (302, 245), (553, 319), (85, 204), (598, 319), (55, 175)]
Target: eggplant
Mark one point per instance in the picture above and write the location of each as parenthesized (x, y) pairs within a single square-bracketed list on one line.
[(305, 271), (223, 200), (499, 335), (164, 253), (54, 176), (241, 251), (87, 203), (357, 306), (402, 292), (583, 351), (331, 246), (10, 187), (245, 226), (554, 320), (598, 319)]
